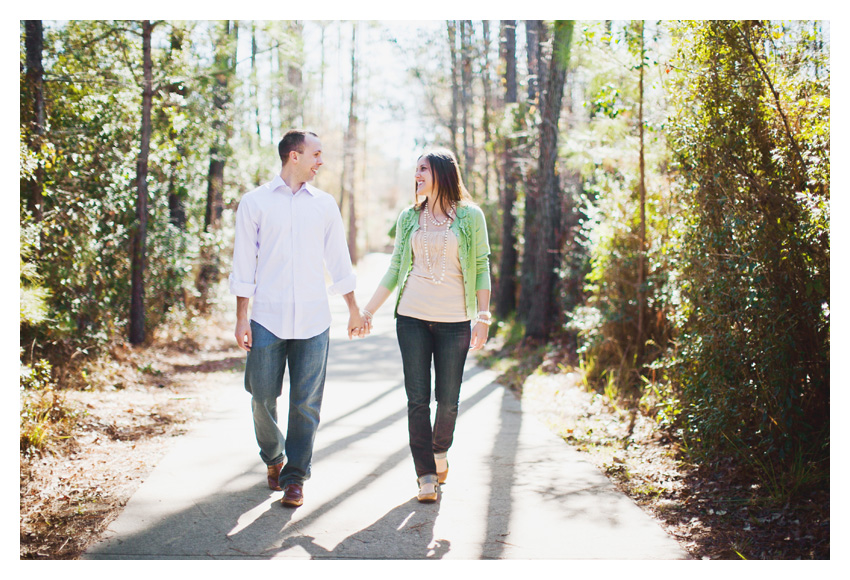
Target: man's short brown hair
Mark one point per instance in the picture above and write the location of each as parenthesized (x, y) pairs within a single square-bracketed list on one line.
[(292, 141)]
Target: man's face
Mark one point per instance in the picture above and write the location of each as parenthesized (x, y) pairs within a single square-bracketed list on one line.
[(308, 163)]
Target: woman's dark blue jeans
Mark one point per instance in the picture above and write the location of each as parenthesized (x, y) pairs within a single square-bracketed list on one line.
[(447, 344)]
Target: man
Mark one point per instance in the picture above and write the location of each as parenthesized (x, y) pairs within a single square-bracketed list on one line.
[(286, 230)]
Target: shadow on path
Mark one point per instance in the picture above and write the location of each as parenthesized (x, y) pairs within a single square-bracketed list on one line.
[(405, 532), (502, 475)]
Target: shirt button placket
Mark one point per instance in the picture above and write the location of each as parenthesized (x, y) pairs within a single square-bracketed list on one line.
[(292, 256)]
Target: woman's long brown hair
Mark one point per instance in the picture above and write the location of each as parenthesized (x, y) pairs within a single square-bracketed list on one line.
[(447, 180)]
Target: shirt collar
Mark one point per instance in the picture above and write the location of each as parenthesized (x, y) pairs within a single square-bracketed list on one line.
[(278, 182)]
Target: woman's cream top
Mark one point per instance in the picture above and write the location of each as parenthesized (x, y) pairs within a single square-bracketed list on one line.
[(424, 299)]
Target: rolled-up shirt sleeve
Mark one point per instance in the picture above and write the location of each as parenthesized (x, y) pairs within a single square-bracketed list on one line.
[(245, 247), (337, 258)]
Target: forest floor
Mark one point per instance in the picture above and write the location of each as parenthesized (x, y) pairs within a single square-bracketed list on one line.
[(140, 400)]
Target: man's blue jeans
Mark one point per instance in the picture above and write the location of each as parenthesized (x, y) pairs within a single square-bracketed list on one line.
[(264, 371), (447, 343)]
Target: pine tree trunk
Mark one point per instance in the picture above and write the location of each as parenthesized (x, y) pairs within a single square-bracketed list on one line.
[(137, 290), (176, 203), (542, 314), (468, 165), (34, 42), (348, 167), (535, 37), (485, 121), (222, 129), (506, 283), (222, 125), (295, 81), (641, 282), (451, 25), (255, 89)]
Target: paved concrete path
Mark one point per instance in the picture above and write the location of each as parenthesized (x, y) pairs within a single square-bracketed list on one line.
[(515, 490)]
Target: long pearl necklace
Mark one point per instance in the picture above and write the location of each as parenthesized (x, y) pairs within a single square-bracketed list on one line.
[(429, 217)]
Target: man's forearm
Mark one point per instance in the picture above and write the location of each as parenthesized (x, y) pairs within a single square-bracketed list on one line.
[(242, 308), (351, 301)]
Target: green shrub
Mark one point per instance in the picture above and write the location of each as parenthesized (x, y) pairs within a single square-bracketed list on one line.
[(753, 348)]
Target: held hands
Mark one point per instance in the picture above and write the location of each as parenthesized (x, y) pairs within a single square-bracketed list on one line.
[(359, 324)]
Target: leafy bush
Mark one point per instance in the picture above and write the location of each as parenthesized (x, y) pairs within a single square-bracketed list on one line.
[(753, 359)]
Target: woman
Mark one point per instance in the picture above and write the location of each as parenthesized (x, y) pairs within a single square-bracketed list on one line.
[(441, 266)]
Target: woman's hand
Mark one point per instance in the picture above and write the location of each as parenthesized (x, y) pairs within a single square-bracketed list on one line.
[(479, 336), (367, 321)]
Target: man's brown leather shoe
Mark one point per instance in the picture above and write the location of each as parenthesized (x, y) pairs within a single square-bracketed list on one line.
[(273, 473), (293, 495)]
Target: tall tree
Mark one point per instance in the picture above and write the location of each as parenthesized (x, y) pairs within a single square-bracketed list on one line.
[(451, 26), (224, 68), (254, 87), (323, 24), (139, 243), (641, 280), (176, 193), (348, 163), (222, 126), (533, 31), (543, 308), (293, 102), (506, 283), (488, 103), (536, 34), (466, 105), (34, 115)]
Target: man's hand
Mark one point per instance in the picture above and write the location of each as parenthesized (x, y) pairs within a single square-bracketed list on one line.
[(243, 334), (479, 336)]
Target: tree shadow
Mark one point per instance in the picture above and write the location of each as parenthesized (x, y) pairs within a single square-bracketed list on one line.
[(231, 363), (502, 463), (246, 521), (405, 532)]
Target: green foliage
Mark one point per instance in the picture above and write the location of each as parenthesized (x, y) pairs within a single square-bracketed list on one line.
[(737, 267), (607, 156), (89, 158), (753, 357), (45, 417), (33, 295)]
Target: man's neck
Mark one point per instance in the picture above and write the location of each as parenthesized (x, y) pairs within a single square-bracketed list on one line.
[(291, 181)]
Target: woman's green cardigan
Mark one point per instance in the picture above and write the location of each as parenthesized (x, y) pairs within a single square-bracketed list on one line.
[(473, 252)]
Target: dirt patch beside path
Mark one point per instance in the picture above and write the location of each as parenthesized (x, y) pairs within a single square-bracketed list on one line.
[(714, 511), (140, 400)]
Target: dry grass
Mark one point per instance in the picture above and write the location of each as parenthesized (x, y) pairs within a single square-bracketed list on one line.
[(129, 407)]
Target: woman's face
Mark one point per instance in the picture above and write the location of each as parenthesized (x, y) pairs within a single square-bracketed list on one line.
[(424, 177)]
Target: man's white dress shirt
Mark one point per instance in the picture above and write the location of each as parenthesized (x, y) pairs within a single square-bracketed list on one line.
[(284, 242)]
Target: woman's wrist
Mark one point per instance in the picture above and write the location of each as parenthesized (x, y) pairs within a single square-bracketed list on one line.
[(484, 317)]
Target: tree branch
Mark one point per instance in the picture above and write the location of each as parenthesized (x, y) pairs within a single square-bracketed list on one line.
[(800, 179)]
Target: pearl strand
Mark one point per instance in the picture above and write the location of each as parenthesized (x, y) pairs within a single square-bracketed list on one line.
[(428, 217)]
